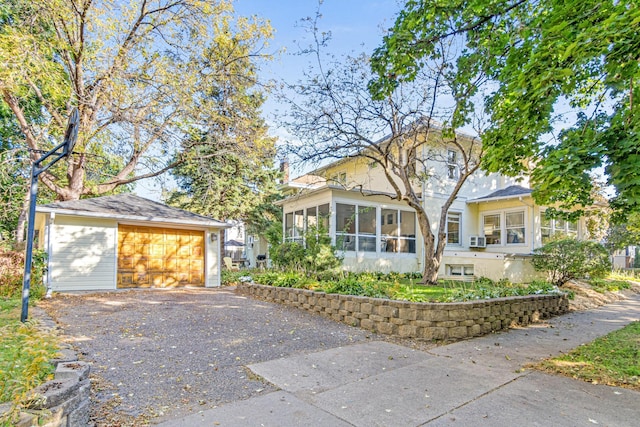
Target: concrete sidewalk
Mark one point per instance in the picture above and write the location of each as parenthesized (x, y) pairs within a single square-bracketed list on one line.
[(477, 382)]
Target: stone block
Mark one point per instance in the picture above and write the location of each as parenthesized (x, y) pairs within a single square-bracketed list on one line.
[(386, 328), (366, 308), (65, 355), (408, 313), (376, 318), (387, 311), (75, 370), (367, 324), (80, 416), (408, 331), (398, 321), (458, 332), (474, 330), (457, 315), (436, 315), (351, 321), (352, 306), (53, 393)]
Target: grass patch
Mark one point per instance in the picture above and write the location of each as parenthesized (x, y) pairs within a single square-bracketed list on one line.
[(612, 360), (25, 355), (609, 285)]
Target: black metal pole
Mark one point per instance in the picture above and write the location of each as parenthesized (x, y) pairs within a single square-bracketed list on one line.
[(26, 283)]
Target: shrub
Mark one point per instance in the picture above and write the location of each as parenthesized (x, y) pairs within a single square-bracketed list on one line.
[(567, 259), (12, 270), (314, 257)]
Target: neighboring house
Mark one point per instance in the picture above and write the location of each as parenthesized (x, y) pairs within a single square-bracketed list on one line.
[(492, 227), (234, 244), (250, 250), (624, 258), (126, 241)]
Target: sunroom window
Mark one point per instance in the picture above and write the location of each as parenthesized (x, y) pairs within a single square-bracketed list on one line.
[(556, 228)]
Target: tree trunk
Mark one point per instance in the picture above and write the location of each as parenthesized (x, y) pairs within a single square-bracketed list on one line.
[(431, 263), (22, 219)]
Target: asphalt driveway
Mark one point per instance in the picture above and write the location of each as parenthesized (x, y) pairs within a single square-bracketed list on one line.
[(163, 354)]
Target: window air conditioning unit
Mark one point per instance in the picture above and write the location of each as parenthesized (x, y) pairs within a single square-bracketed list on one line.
[(477, 242)]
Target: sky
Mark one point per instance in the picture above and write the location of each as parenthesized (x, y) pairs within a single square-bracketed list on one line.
[(356, 26)]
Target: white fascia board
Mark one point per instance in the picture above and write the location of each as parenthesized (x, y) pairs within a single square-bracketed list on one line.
[(213, 224)]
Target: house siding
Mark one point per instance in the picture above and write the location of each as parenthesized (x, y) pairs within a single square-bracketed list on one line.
[(82, 253)]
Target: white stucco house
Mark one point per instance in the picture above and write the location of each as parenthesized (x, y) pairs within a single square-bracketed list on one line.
[(492, 227), (126, 241)]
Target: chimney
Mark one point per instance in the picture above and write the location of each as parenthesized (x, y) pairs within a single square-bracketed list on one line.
[(284, 168)]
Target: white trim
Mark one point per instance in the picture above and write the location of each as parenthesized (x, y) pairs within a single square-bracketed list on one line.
[(135, 218)]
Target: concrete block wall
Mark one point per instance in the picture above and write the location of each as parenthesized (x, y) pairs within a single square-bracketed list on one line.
[(431, 321)]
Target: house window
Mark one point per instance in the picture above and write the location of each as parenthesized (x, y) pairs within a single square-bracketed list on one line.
[(492, 229), (294, 226), (398, 231), (346, 227), (453, 228), (515, 227), (452, 164), (367, 229), (340, 178), (459, 270), (555, 228)]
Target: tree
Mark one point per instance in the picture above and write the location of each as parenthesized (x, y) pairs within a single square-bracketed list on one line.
[(547, 60), (334, 116), (146, 77), (227, 169)]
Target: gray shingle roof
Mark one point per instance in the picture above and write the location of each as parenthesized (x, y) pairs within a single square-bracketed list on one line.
[(132, 207), (505, 193)]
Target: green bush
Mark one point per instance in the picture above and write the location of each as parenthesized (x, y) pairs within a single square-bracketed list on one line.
[(315, 256), (567, 259)]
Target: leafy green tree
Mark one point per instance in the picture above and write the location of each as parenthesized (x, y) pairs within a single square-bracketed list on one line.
[(148, 78), (228, 169), (545, 61)]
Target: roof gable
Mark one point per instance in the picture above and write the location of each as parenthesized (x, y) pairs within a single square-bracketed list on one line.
[(132, 207)]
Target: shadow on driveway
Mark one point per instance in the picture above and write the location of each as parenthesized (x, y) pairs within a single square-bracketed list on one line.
[(170, 353)]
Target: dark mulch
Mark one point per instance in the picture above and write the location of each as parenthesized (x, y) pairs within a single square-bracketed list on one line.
[(159, 354)]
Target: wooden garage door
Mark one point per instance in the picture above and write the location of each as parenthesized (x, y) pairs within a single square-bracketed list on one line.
[(159, 257)]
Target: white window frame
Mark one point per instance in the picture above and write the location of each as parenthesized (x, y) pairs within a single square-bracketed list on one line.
[(503, 227), (452, 215), (452, 164), (554, 230)]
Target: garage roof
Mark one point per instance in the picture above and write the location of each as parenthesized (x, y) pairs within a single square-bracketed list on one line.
[(130, 207)]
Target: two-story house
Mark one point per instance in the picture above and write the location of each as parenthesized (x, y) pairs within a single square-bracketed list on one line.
[(492, 227)]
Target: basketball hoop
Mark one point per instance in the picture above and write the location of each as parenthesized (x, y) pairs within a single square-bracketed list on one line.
[(71, 134)]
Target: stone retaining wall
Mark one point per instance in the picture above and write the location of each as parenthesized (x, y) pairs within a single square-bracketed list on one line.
[(431, 321)]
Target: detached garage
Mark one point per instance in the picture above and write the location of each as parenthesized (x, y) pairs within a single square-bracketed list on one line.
[(126, 241)]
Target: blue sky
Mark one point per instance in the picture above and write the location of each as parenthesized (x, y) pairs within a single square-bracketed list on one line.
[(355, 25)]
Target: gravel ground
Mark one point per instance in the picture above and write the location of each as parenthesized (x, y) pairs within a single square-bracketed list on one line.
[(160, 354)]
